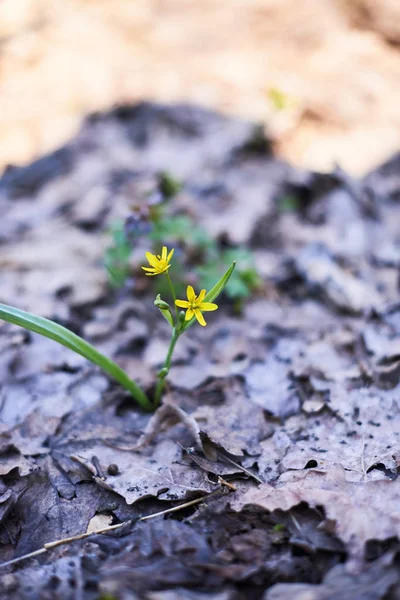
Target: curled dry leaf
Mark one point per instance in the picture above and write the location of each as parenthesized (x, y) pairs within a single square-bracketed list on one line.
[(355, 512)]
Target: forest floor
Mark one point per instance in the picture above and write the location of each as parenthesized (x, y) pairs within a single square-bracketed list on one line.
[(288, 413)]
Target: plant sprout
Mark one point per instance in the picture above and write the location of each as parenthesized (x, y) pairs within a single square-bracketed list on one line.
[(179, 322)]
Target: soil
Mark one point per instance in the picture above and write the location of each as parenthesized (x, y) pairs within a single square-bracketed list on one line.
[(282, 422)]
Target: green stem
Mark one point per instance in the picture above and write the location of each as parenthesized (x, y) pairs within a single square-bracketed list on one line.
[(165, 370), (171, 287)]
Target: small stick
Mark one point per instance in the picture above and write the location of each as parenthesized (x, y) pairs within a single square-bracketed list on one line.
[(68, 540), (185, 505), (249, 473), (230, 486)]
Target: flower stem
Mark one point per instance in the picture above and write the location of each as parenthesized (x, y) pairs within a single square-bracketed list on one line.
[(165, 370), (171, 287)]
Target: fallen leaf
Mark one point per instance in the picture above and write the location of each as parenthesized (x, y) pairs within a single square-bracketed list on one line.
[(355, 512)]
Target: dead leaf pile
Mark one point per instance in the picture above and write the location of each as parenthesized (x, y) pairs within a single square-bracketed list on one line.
[(294, 405)]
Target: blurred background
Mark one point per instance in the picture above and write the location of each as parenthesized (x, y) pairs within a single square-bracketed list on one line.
[(323, 76)]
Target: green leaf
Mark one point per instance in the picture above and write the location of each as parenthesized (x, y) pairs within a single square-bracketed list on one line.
[(169, 186), (116, 256), (288, 203), (182, 229), (172, 228), (219, 286), (70, 340), (213, 293)]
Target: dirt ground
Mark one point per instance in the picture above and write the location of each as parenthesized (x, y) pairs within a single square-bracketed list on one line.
[(338, 62)]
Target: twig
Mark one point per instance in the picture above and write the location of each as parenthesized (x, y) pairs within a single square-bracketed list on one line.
[(185, 505), (51, 545), (240, 467)]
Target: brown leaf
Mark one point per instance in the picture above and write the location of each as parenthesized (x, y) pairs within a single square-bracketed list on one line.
[(161, 474), (355, 512)]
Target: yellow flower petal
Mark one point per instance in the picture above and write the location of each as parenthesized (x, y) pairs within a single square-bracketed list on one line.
[(200, 297), (152, 259), (199, 317), (152, 269), (182, 303), (208, 306), (159, 263), (170, 255), (191, 296), (189, 314)]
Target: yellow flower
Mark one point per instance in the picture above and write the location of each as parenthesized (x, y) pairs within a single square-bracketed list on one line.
[(158, 264), (195, 305)]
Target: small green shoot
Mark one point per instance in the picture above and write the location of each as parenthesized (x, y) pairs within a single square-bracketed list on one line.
[(177, 229), (288, 203), (169, 186), (116, 256)]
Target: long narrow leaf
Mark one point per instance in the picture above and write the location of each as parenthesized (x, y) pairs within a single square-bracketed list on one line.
[(219, 286), (63, 336), (213, 293)]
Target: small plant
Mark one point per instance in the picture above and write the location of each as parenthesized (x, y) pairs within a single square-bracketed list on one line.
[(195, 245), (116, 256), (178, 320), (214, 260), (288, 203), (168, 185)]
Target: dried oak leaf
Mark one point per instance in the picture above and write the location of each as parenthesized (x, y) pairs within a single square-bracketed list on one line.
[(160, 474), (354, 512), (236, 425), (358, 429), (54, 516), (322, 442), (60, 393)]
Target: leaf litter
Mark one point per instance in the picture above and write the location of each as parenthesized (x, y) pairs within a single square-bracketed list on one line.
[(294, 404)]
